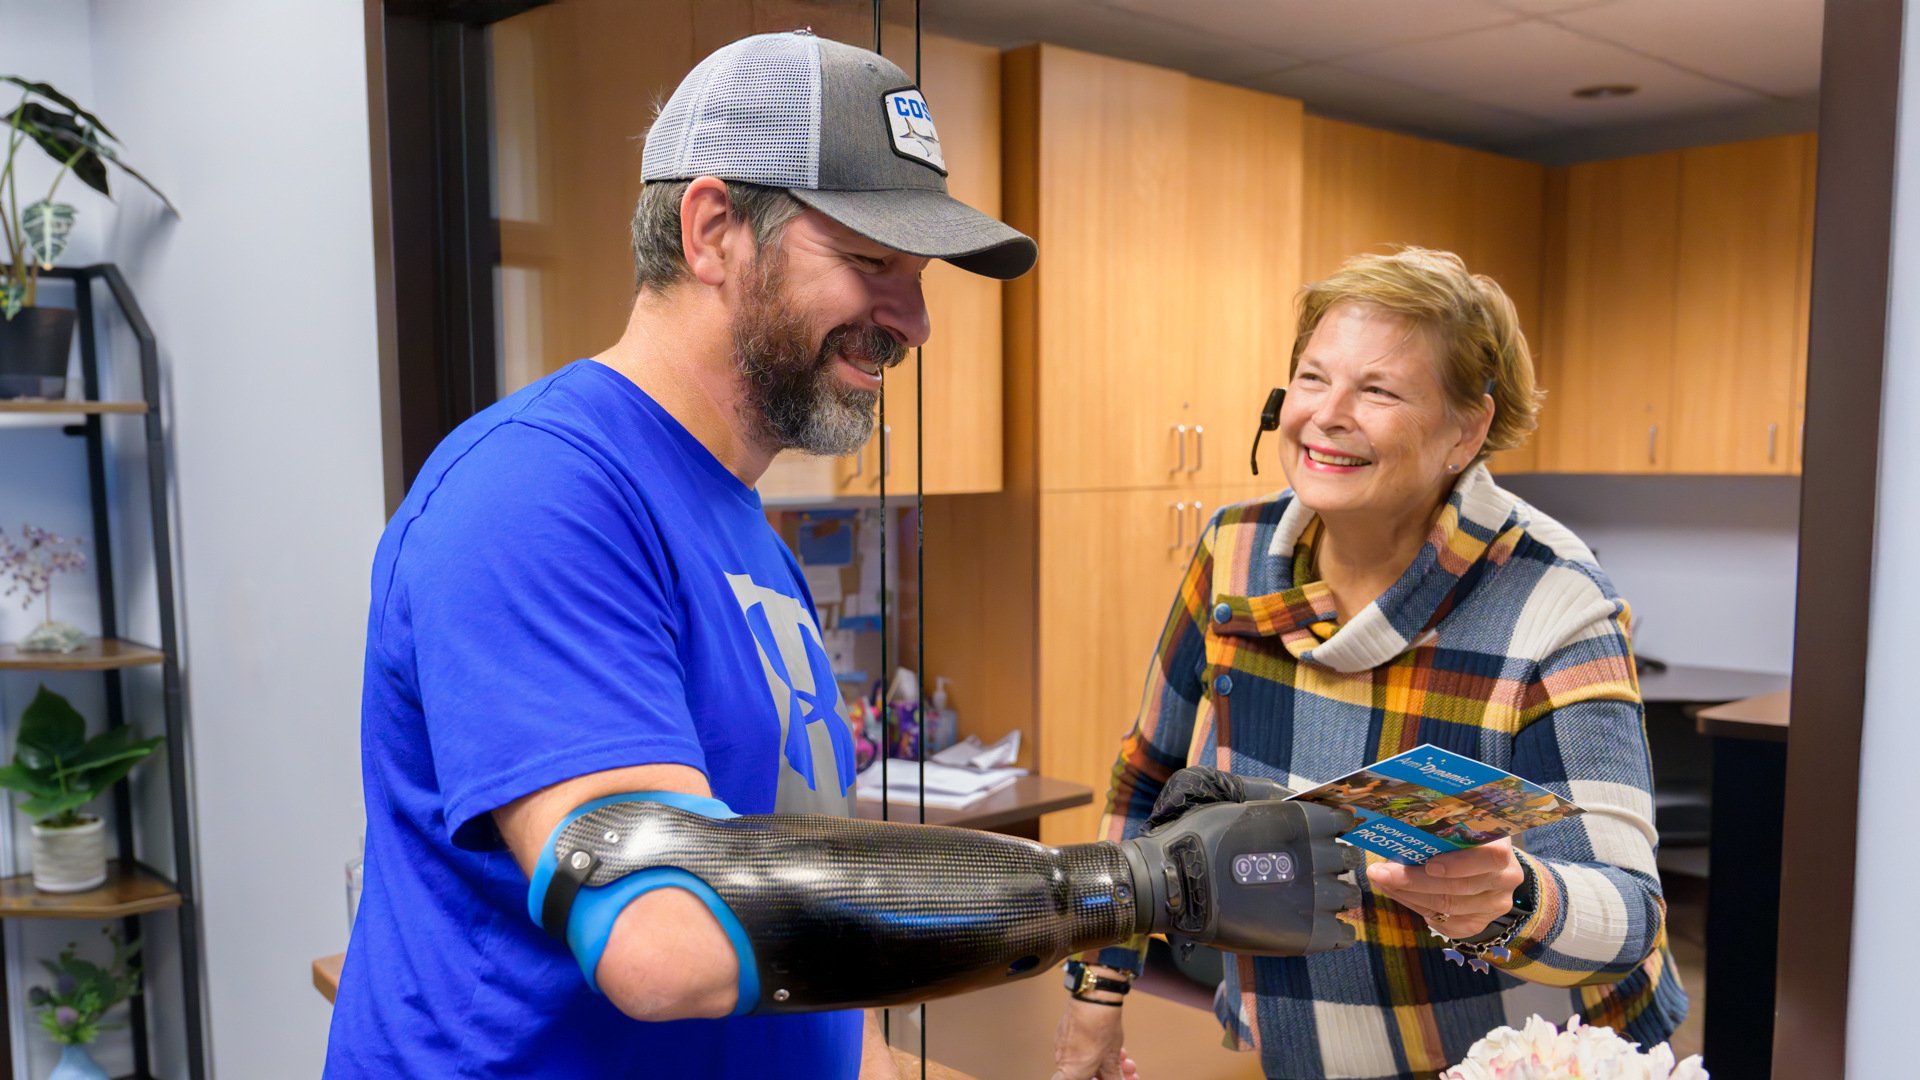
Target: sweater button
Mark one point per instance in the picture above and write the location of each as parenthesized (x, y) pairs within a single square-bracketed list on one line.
[(1222, 685), (1222, 612)]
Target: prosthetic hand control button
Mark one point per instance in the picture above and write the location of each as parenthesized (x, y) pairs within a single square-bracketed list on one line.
[(1263, 868)]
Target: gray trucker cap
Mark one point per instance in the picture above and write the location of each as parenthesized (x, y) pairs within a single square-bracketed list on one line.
[(844, 130)]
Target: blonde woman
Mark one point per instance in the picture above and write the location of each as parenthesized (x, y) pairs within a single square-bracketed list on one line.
[(1396, 595)]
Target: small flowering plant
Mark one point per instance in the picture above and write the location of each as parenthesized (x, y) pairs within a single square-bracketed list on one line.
[(1539, 1051), (28, 565), (82, 992)]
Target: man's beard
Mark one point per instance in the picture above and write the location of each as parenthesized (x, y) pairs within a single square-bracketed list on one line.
[(793, 398)]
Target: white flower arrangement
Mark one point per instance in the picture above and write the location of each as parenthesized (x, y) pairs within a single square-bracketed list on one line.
[(1539, 1051)]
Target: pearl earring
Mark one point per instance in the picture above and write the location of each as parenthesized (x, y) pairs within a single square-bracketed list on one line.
[(1453, 468)]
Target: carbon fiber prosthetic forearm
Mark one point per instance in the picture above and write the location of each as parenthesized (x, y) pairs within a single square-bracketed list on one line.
[(841, 913)]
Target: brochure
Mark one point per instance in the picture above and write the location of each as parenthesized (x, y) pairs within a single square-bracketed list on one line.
[(1416, 805)]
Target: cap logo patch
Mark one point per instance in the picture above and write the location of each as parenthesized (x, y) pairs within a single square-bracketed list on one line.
[(911, 124)]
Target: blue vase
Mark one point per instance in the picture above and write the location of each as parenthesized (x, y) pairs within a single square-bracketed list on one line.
[(76, 1064)]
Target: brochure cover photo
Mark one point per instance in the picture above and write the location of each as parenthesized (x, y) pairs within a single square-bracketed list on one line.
[(1416, 805)]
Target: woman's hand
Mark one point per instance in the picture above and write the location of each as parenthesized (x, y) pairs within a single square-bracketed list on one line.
[(1086, 1045), (1458, 893)]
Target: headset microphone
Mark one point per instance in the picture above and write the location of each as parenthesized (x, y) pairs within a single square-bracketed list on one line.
[(1269, 421)]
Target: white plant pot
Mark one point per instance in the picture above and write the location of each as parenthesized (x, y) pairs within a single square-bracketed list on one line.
[(72, 859)]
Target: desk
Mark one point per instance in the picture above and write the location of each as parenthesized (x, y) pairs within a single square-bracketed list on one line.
[(1743, 892), (1014, 809), (326, 979)]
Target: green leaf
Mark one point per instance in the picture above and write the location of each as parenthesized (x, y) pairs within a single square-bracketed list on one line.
[(43, 808), (47, 91), (13, 297), (61, 137), (25, 781), (51, 724), (46, 226)]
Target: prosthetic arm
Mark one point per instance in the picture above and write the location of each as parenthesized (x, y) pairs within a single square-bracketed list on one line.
[(833, 913)]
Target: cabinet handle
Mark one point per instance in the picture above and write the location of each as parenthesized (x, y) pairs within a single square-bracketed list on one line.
[(1179, 526), (1653, 434), (1199, 451), (886, 450), (1199, 519), (859, 463), (1773, 438), (1180, 441)]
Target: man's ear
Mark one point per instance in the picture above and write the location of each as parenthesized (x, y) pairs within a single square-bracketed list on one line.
[(706, 218)]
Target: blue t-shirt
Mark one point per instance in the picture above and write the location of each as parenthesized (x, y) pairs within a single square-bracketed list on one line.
[(573, 584)]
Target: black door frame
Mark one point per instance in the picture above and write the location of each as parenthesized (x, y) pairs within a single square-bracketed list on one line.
[(436, 241)]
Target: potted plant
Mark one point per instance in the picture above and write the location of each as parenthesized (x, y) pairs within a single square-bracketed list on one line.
[(29, 564), (34, 341), (72, 1011), (60, 770)]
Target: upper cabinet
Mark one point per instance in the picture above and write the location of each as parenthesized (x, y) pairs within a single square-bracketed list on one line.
[(1740, 341), (1677, 295), (1614, 240), (1167, 210), (956, 376), (1370, 191)]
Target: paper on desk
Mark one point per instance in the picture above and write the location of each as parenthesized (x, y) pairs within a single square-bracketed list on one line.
[(971, 753), (904, 776), (899, 796)]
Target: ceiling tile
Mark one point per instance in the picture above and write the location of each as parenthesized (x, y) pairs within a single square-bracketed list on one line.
[(1083, 24), (1348, 95), (1768, 45), (1534, 67), (1319, 29)]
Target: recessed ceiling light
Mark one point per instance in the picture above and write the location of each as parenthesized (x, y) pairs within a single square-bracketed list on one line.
[(1605, 90)]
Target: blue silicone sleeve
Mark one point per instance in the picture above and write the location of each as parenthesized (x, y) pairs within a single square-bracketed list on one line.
[(595, 908)]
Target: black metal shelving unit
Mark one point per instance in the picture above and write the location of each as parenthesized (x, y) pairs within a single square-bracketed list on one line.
[(134, 891)]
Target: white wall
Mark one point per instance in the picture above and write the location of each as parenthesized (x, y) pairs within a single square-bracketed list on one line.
[(1885, 952), (1707, 563), (252, 117)]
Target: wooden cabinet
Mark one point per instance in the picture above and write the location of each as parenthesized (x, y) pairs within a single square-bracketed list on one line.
[(1611, 278), (1370, 191), (962, 360), (1678, 293), (1167, 212), (1741, 333)]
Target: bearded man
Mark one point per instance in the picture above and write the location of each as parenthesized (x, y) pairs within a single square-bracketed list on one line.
[(607, 770)]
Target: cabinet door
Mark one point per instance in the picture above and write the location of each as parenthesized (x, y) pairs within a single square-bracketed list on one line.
[(1245, 213), (1115, 336), (1739, 334), (1110, 563), (1611, 343), (961, 363)]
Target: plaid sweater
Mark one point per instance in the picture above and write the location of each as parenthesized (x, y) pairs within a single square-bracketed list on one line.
[(1505, 641)]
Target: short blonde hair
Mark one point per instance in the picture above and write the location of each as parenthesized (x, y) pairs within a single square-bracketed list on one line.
[(1470, 320)]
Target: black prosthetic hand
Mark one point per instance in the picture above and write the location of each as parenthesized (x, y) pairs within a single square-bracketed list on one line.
[(1225, 862), (828, 913)]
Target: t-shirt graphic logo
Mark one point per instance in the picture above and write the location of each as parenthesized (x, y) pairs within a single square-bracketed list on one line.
[(815, 739)]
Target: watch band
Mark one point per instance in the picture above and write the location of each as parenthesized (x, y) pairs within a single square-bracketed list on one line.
[(1082, 980), (1491, 943)]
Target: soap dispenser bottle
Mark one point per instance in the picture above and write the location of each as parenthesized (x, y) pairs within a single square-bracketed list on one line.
[(943, 726)]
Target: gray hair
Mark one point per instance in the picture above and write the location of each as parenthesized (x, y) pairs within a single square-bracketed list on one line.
[(659, 261)]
